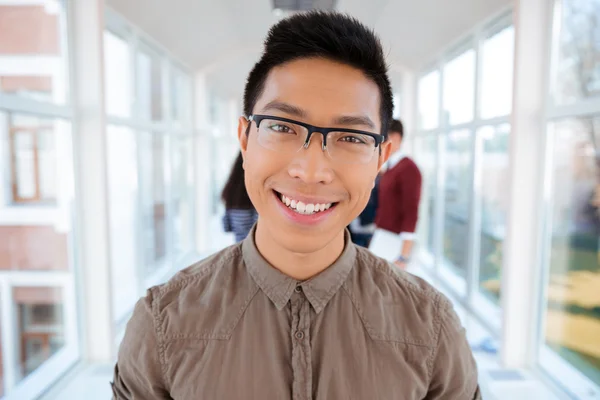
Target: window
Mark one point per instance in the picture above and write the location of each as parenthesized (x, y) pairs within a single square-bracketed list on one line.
[(577, 72), (181, 193), (153, 199), (117, 71), (427, 150), (123, 200), (573, 303), (497, 73), (150, 82), (33, 60), (457, 172), (429, 100), (33, 161), (493, 199), (40, 323), (459, 88)]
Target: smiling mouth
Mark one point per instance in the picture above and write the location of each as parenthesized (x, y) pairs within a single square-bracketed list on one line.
[(304, 208)]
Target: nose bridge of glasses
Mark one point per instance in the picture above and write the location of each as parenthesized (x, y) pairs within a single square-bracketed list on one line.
[(310, 132)]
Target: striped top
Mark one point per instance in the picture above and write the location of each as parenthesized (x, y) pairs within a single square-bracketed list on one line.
[(239, 221)]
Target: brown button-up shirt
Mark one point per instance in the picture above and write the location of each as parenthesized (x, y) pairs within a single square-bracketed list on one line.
[(234, 327)]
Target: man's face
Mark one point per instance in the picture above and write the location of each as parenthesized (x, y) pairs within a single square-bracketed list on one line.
[(321, 93)]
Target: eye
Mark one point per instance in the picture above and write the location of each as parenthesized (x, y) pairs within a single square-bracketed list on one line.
[(356, 139), (280, 128)]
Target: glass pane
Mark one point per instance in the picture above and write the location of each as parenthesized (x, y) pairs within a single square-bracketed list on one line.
[(33, 50), (180, 99), (33, 161), (427, 161), (459, 88), (573, 308), (35, 241), (123, 205), (457, 171), (149, 76), (494, 200), (578, 65), (117, 75), (24, 164), (153, 198), (497, 74), (429, 100), (182, 194), (40, 329)]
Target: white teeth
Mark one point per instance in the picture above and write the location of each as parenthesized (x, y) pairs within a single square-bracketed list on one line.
[(303, 208)]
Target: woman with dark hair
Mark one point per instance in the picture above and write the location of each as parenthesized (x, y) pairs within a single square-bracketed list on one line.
[(240, 214)]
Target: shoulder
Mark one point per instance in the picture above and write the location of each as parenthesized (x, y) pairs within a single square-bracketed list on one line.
[(396, 305), (204, 300), (408, 164)]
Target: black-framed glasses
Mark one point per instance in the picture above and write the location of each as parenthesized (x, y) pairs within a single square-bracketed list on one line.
[(284, 135)]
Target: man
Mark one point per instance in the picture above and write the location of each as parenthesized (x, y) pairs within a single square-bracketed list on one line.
[(399, 195), (297, 311)]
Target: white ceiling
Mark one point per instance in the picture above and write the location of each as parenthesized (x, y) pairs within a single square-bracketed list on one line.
[(224, 37)]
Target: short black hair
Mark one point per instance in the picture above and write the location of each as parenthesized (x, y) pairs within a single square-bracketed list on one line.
[(330, 35), (396, 127)]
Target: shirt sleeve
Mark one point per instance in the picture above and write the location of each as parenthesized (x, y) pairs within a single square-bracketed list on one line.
[(410, 195), (454, 371), (138, 373)]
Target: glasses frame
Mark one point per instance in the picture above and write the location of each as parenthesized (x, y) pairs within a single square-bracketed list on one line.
[(257, 118)]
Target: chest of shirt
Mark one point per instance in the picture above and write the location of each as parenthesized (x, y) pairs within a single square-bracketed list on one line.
[(295, 353)]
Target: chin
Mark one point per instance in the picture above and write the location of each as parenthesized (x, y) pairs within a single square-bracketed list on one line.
[(300, 242)]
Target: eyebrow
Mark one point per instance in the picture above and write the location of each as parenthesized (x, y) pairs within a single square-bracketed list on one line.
[(345, 120)]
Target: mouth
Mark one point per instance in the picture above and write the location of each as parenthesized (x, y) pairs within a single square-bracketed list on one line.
[(303, 208)]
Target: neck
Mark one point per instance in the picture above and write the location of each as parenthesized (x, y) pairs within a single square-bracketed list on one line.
[(300, 266)]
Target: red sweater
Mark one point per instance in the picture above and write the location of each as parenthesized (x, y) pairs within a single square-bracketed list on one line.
[(399, 194)]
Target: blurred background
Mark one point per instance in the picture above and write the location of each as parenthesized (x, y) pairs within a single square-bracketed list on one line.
[(118, 124)]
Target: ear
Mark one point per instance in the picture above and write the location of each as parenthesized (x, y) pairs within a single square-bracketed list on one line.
[(386, 148), (243, 125)]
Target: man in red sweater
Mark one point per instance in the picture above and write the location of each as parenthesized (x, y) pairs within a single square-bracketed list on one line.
[(399, 195)]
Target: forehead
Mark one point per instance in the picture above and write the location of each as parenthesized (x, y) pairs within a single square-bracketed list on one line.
[(324, 89)]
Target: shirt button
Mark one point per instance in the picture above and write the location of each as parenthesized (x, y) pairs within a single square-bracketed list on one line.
[(298, 289), (299, 335)]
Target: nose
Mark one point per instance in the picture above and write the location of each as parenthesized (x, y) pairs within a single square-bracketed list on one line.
[(312, 164)]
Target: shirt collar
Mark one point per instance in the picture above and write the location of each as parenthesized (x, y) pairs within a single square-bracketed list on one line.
[(395, 159), (280, 287)]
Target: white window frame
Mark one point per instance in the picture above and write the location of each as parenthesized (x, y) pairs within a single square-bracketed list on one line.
[(171, 130), (41, 378), (464, 289)]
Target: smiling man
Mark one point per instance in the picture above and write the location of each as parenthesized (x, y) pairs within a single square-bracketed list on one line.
[(297, 311)]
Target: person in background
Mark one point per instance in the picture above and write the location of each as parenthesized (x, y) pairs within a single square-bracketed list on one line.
[(240, 214), (399, 194), (362, 228)]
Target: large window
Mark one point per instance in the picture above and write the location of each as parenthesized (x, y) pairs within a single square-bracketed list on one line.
[(570, 348), (148, 107), (38, 320), (573, 300), (463, 153), (578, 68)]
